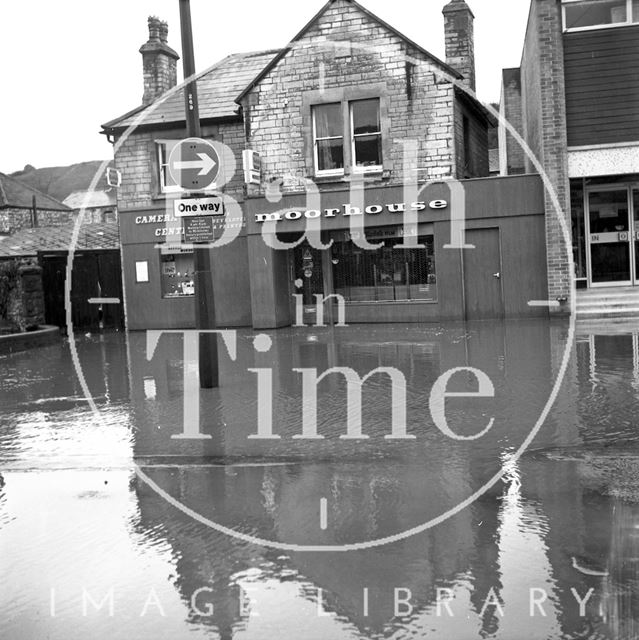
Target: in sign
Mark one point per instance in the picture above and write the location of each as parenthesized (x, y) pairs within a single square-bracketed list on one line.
[(194, 164)]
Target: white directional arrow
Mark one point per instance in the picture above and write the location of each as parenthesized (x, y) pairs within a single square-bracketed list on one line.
[(205, 164)]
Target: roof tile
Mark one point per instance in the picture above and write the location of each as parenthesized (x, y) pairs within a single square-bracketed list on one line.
[(28, 242), (217, 90), (14, 193)]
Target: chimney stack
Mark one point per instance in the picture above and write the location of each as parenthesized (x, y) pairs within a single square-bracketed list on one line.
[(460, 39), (159, 62)]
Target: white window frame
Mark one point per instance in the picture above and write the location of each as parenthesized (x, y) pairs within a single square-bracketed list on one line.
[(161, 147), (346, 137), (630, 18), (373, 168), (326, 172)]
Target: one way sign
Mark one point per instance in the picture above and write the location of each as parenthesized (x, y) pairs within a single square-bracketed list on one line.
[(194, 164)]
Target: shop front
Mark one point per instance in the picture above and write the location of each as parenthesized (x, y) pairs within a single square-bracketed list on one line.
[(380, 255), (367, 265), (159, 274), (605, 214)]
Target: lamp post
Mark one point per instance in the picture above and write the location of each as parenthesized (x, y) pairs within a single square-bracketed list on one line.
[(204, 297)]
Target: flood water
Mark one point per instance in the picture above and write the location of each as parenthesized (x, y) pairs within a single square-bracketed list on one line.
[(110, 527)]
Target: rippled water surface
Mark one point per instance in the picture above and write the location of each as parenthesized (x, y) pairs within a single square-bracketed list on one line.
[(110, 527)]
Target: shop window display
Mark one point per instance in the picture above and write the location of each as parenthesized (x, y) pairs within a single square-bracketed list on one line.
[(177, 274), (386, 274)]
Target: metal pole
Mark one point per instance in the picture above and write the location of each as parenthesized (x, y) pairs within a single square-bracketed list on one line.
[(204, 300)]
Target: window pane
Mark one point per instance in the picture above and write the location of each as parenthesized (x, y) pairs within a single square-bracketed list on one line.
[(330, 155), (578, 227), (365, 116), (387, 273), (328, 120), (635, 10), (595, 12), (368, 151), (177, 273)]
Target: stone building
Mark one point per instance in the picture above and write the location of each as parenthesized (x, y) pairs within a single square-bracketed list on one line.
[(351, 121), (22, 207)]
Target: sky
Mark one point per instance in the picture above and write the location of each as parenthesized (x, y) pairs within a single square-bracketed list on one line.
[(68, 66)]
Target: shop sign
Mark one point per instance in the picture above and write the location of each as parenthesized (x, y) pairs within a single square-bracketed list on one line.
[(252, 164), (211, 206), (350, 210), (198, 230), (608, 237), (169, 249)]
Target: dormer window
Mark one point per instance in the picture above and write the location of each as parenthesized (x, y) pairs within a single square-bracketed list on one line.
[(583, 15)]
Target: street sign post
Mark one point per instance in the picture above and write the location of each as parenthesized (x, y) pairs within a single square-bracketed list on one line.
[(194, 164), (202, 160)]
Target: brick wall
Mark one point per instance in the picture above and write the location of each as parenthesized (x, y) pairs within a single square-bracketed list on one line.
[(513, 158), (459, 36), (471, 162), (137, 160), (417, 105), (544, 115), (13, 219)]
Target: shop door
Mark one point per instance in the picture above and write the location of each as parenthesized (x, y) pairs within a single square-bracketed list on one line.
[(307, 276), (482, 275), (610, 237)]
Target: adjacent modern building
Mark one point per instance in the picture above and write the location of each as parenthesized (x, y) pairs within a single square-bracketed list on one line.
[(575, 101), (352, 129)]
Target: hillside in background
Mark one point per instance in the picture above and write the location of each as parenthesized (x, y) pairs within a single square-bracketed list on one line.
[(59, 182)]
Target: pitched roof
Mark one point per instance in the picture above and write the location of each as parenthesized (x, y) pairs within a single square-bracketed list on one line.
[(90, 199), (217, 89), (453, 72), (27, 242), (14, 193)]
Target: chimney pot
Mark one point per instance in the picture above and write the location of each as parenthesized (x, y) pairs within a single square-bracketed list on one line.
[(154, 29), (159, 61)]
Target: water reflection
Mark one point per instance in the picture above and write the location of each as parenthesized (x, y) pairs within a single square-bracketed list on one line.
[(550, 551)]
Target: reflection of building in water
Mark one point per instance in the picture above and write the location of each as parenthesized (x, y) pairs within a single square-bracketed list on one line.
[(621, 607), (373, 488)]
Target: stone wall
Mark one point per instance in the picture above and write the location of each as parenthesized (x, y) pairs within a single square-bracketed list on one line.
[(25, 308), (13, 219), (417, 101), (137, 160)]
